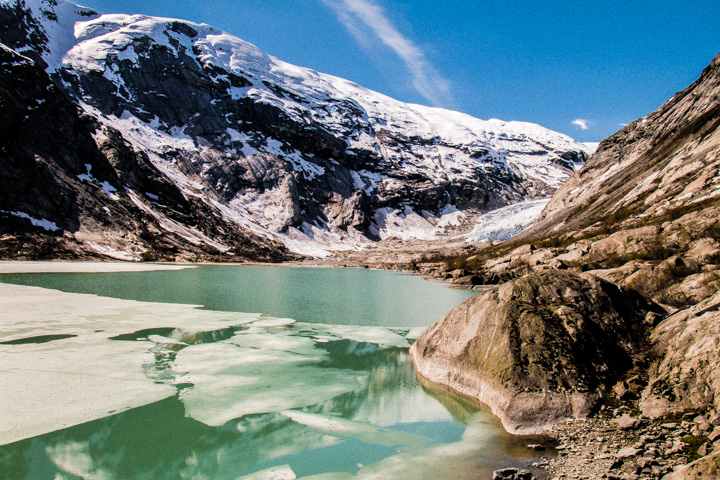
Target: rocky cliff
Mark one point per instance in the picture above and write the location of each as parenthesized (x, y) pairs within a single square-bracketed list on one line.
[(313, 161), (644, 214), (67, 193), (665, 162)]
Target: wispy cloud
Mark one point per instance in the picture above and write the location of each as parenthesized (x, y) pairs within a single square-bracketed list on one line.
[(582, 123), (367, 21)]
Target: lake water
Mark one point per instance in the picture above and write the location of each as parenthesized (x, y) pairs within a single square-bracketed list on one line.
[(331, 296), (134, 382)]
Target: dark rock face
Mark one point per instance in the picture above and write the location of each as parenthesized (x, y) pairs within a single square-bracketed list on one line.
[(513, 474), (54, 169), (539, 349)]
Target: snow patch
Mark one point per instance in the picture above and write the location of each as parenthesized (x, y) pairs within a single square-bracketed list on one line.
[(113, 252), (105, 185), (590, 147), (38, 222)]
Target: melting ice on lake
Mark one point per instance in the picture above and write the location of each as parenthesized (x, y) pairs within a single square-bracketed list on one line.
[(127, 389)]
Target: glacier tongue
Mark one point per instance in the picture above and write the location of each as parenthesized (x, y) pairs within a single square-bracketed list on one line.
[(506, 222), (315, 161)]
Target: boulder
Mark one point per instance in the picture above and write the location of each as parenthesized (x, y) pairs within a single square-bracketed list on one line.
[(694, 288), (512, 474), (685, 376), (539, 349), (704, 251), (703, 468), (467, 281)]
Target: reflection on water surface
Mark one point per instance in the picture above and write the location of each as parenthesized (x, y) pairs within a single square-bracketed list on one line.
[(254, 397)]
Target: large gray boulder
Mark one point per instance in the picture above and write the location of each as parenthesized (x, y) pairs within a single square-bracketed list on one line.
[(539, 349)]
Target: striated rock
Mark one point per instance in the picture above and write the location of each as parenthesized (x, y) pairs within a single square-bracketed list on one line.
[(693, 288), (685, 376), (703, 251), (664, 164), (539, 349), (625, 242)]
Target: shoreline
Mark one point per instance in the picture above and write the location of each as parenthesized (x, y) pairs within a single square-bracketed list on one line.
[(601, 445), (84, 266)]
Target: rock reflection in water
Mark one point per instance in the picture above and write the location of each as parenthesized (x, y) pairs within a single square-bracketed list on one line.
[(272, 395)]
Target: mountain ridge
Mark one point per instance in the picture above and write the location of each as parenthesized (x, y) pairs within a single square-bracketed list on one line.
[(310, 160), (673, 151)]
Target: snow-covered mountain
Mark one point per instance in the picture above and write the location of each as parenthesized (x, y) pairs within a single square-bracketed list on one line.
[(284, 152)]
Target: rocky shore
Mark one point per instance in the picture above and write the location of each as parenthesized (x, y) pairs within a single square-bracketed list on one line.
[(622, 444), (629, 393), (618, 445), (659, 421)]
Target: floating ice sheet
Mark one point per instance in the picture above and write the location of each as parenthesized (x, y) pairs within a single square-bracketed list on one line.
[(376, 335), (57, 384), (230, 381), (232, 393), (365, 431), (51, 386), (83, 267), (283, 472)]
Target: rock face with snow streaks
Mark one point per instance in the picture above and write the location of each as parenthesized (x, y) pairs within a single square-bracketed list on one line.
[(58, 177), (280, 150), (538, 350)]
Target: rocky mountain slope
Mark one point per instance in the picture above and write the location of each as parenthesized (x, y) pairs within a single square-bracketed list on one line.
[(307, 159), (57, 177), (663, 162), (644, 214), (644, 211)]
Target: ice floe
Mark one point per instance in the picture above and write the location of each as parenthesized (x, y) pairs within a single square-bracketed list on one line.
[(251, 396)]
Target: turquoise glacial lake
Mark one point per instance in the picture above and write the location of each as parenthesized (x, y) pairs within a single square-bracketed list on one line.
[(251, 372)]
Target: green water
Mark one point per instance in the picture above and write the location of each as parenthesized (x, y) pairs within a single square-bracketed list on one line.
[(330, 296), (331, 395)]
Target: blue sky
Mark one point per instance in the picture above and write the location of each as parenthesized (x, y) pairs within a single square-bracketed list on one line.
[(583, 68)]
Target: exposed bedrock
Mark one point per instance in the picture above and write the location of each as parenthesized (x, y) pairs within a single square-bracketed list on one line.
[(685, 375), (539, 349)]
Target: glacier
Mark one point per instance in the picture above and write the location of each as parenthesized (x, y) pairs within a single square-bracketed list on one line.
[(506, 222)]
